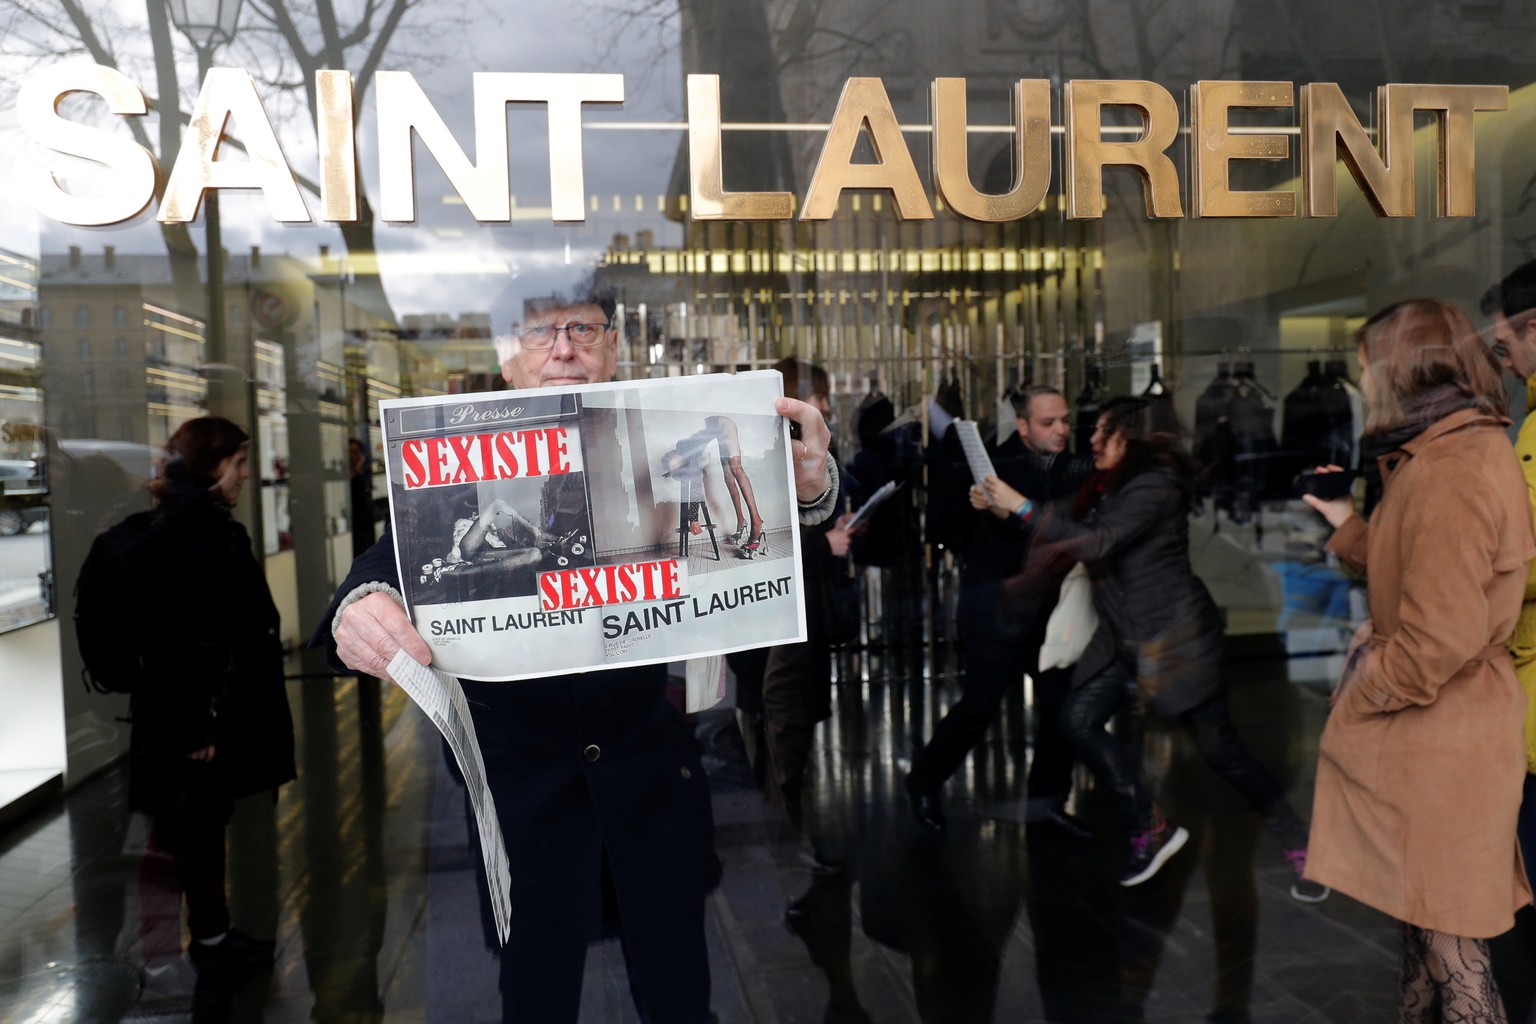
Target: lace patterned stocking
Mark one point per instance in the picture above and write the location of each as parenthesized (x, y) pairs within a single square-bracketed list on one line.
[(1447, 979)]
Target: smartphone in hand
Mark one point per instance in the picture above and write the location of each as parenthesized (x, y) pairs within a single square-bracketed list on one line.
[(1325, 486)]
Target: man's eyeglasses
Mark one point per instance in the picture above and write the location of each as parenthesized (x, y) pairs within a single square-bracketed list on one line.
[(580, 335)]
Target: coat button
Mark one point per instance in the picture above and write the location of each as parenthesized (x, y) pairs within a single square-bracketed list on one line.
[(592, 753), (686, 773)]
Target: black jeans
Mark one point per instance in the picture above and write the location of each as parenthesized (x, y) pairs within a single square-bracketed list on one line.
[(999, 644), (797, 693), (195, 841), (1092, 703)]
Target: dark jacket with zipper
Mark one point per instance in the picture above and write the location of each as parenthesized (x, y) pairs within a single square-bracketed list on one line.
[(996, 549), (1156, 617), (584, 768)]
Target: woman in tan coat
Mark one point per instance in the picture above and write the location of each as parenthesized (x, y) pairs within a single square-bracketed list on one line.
[(1422, 760)]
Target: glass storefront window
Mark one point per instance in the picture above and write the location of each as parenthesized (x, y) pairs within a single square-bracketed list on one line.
[(303, 326), (1234, 321), (1240, 329)]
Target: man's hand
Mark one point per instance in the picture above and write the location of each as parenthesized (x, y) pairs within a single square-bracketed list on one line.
[(371, 630), (839, 538), (205, 754), (1005, 501), (810, 450)]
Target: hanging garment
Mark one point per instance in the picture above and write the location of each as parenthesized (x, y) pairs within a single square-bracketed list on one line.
[(1088, 402), (1162, 418), (1303, 423), (1215, 449), (1255, 444)]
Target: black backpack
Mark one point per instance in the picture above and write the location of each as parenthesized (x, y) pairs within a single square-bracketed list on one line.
[(111, 636)]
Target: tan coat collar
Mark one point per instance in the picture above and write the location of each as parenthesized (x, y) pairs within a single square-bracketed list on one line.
[(1459, 420)]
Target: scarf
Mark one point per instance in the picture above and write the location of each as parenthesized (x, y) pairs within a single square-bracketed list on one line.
[(179, 486), (1090, 494), (1420, 412)]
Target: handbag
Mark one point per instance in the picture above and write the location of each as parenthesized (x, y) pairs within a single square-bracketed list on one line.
[(1072, 623)]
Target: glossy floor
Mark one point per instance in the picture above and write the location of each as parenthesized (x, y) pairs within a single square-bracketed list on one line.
[(362, 873)]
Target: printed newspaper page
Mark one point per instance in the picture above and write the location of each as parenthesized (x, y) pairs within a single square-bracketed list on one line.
[(442, 698), (562, 530)]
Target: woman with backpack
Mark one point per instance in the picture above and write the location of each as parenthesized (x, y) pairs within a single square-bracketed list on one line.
[(211, 722)]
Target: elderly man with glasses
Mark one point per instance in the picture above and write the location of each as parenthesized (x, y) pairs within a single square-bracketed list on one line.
[(596, 777)]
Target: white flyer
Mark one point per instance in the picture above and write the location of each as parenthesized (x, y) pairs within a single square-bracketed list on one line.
[(975, 450)]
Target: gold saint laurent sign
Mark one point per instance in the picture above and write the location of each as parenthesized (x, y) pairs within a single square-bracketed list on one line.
[(1329, 132)]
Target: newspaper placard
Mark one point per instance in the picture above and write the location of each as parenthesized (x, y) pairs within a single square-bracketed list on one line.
[(568, 529)]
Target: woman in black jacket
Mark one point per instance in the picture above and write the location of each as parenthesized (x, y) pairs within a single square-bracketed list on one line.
[(211, 721), (1159, 637)]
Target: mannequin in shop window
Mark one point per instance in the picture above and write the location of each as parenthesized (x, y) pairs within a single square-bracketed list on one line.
[(1321, 420), (1164, 419), (1236, 447), (1087, 405), (945, 462)]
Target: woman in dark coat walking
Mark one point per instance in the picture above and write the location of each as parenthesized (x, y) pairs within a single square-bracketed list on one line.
[(1160, 635), (211, 721)]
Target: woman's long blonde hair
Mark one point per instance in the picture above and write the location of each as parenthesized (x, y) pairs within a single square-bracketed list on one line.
[(1418, 345)]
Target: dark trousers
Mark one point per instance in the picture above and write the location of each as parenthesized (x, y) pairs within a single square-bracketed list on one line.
[(605, 813), (1527, 828), (541, 971), (797, 693), (1092, 703), (1000, 644), (194, 844)]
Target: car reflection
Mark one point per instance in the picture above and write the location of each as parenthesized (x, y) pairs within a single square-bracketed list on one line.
[(20, 478)]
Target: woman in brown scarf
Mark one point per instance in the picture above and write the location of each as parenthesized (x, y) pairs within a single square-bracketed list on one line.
[(1422, 760)]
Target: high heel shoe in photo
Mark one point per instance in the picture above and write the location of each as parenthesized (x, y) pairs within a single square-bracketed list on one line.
[(742, 534), (756, 546)]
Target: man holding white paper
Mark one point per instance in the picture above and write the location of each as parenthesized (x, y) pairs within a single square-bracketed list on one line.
[(1000, 640), (595, 776)]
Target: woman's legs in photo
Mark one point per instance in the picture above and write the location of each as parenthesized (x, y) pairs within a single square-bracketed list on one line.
[(736, 480)]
